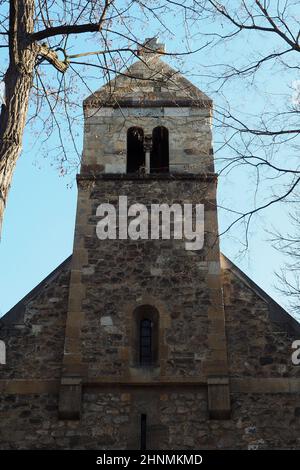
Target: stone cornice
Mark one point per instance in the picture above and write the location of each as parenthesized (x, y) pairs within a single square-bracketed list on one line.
[(91, 176), (238, 384), (144, 103)]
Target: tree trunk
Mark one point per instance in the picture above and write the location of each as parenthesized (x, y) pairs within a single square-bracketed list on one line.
[(18, 82)]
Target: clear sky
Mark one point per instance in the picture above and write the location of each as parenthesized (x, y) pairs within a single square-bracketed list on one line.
[(39, 219)]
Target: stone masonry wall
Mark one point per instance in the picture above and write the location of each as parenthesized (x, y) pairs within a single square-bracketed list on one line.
[(162, 97), (110, 420), (177, 415), (257, 346), (35, 338), (120, 275), (105, 137)]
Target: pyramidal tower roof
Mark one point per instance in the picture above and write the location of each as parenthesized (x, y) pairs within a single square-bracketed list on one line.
[(148, 82)]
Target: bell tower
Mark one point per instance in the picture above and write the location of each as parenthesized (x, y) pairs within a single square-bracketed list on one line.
[(145, 321)]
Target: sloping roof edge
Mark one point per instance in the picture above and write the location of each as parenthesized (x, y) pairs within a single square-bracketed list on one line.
[(15, 314), (129, 73), (277, 313)]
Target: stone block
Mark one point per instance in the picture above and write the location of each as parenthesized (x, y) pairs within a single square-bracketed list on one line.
[(218, 398), (69, 406)]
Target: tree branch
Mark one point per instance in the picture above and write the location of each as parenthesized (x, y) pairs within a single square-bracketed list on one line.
[(72, 29), (65, 29), (52, 58)]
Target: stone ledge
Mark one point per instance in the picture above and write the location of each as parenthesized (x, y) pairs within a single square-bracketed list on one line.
[(145, 178), (147, 382), (238, 385), (28, 386), (265, 385), (144, 103)]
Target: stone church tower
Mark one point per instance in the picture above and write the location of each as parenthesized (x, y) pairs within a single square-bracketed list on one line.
[(143, 344)]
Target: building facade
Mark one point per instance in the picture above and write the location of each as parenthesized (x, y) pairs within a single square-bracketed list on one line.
[(143, 343)]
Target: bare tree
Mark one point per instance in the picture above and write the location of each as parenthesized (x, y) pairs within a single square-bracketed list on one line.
[(44, 61), (45, 64), (288, 244), (255, 39)]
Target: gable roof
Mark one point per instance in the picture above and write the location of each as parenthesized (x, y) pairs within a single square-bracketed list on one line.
[(16, 314), (277, 314), (148, 82)]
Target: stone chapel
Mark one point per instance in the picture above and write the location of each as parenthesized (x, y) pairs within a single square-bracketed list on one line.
[(142, 344)]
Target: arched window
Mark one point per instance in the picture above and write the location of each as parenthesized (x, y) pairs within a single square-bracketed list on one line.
[(159, 157), (135, 149), (145, 336), (145, 341)]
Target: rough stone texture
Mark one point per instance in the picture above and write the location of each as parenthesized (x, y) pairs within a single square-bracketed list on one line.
[(135, 100), (128, 273), (187, 153), (150, 80), (76, 331), (257, 347), (34, 330), (178, 415), (179, 420)]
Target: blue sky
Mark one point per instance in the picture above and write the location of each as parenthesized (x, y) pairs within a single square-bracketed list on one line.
[(39, 219)]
